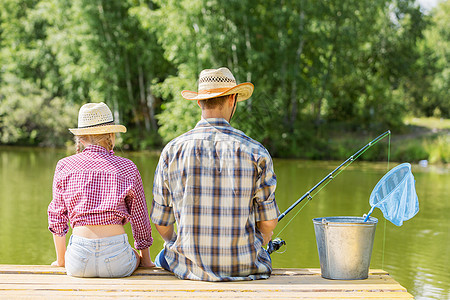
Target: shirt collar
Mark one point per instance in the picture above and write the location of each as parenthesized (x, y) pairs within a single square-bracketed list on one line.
[(213, 122), (97, 149)]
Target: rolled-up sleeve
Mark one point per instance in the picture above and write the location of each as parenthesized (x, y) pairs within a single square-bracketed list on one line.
[(57, 211), (266, 206), (162, 210), (140, 221)]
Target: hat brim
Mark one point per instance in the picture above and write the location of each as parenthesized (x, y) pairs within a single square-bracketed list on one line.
[(103, 129), (243, 91)]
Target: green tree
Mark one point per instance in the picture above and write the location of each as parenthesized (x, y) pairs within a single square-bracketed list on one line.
[(338, 61), (429, 85), (106, 55), (31, 116), (88, 51), (318, 66)]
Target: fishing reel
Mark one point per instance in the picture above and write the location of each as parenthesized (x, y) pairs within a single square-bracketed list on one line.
[(275, 244)]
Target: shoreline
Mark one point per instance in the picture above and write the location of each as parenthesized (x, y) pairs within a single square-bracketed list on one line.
[(422, 140)]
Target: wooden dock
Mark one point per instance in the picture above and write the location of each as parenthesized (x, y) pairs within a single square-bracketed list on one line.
[(45, 282)]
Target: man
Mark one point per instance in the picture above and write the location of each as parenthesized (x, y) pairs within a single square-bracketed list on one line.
[(218, 185)]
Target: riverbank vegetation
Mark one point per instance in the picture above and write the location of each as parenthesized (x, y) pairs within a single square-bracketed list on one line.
[(328, 75)]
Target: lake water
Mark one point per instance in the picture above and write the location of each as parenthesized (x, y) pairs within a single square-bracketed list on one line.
[(415, 254)]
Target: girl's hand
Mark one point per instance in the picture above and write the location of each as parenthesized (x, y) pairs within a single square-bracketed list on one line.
[(144, 258), (146, 263), (56, 264)]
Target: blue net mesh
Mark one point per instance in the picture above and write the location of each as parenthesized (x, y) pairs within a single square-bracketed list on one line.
[(395, 195)]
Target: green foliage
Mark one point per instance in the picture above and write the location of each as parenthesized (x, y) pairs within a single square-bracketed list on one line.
[(84, 51), (322, 61), (134, 139), (411, 151), (438, 149), (431, 96), (178, 115), (433, 148), (355, 66), (29, 115)]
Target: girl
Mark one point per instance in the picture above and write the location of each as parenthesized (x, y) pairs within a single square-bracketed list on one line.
[(98, 193)]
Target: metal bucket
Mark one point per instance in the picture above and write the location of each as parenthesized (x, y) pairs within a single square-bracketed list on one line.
[(345, 246)]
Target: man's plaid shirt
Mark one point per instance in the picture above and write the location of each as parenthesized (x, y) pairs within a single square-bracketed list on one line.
[(215, 183)]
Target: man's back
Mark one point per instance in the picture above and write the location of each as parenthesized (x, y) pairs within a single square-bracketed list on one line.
[(217, 183)]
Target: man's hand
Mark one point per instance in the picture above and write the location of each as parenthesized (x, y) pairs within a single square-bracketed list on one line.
[(267, 237), (166, 232), (266, 228)]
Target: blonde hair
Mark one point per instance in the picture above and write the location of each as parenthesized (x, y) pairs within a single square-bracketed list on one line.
[(103, 140)]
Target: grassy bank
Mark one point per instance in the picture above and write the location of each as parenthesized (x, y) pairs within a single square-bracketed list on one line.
[(427, 139), (420, 139)]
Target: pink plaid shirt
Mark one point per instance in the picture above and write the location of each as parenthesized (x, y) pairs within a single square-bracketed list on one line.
[(96, 187)]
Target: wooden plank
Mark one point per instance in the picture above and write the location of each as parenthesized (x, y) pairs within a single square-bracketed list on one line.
[(314, 271), (165, 286), (376, 279), (45, 281), (206, 295), (40, 269), (170, 279)]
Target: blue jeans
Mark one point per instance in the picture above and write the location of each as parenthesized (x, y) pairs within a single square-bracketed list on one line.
[(105, 257), (160, 261)]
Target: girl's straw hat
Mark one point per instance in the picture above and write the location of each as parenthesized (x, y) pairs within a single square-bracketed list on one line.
[(218, 82), (96, 118)]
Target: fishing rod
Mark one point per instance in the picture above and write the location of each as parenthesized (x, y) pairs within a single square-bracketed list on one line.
[(275, 244)]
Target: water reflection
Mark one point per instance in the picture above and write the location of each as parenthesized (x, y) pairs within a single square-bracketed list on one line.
[(415, 254)]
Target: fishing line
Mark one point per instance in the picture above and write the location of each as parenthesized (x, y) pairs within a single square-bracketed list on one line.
[(293, 217), (325, 181), (384, 243), (384, 229), (329, 180)]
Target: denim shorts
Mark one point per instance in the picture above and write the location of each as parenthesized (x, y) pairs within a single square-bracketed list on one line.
[(105, 257)]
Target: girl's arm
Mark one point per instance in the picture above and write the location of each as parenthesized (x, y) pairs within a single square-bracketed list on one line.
[(57, 219), (146, 261), (140, 222), (60, 247)]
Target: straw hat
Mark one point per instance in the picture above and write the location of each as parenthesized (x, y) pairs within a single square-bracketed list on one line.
[(218, 82), (96, 118)]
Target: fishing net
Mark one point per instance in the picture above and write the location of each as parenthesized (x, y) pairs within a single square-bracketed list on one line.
[(395, 195)]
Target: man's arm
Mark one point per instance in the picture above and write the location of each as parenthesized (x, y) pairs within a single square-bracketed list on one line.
[(266, 228), (166, 232), (162, 211), (266, 209)]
